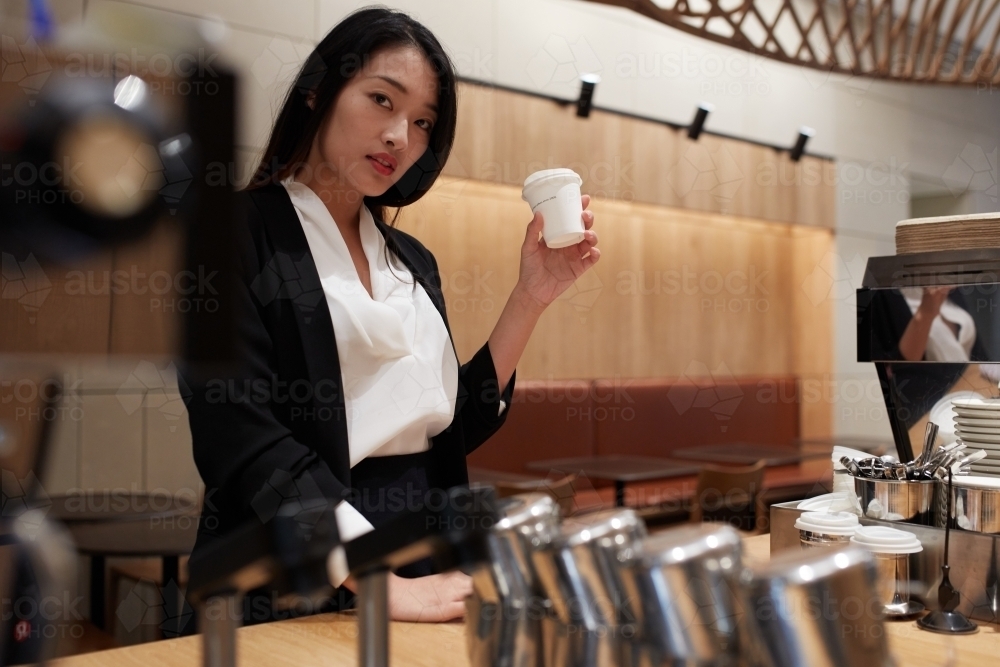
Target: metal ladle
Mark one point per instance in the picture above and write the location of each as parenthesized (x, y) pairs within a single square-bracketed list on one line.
[(947, 619)]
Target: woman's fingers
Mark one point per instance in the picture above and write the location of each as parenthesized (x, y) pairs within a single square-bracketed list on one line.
[(588, 219), (587, 248), (455, 610), (445, 612), (587, 244), (434, 598), (590, 258), (458, 585), (586, 200), (534, 230), (451, 597)]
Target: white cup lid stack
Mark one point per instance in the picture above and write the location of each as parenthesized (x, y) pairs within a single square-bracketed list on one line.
[(828, 523), (885, 540)]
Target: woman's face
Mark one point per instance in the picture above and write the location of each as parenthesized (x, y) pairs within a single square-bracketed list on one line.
[(385, 112)]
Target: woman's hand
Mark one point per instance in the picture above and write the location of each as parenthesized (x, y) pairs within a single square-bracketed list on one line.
[(545, 273), (932, 300), (431, 599), (913, 342), (548, 272)]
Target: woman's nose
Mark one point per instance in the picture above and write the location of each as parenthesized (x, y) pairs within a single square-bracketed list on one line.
[(395, 134)]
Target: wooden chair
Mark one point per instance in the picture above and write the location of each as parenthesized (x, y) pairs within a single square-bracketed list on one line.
[(732, 494), (561, 490)]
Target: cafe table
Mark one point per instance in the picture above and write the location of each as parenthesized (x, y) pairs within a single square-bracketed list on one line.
[(331, 640), (132, 524), (748, 453), (619, 469)]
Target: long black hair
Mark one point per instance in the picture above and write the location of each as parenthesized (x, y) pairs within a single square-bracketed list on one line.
[(345, 50)]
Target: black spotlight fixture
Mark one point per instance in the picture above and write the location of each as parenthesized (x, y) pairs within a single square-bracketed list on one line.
[(587, 84), (800, 144), (694, 129)]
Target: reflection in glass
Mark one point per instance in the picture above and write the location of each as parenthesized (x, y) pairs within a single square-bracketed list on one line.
[(952, 326), (951, 323)]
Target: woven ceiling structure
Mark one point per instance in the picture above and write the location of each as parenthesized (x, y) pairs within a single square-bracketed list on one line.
[(933, 41)]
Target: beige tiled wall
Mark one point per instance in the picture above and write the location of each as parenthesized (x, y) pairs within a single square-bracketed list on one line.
[(122, 425)]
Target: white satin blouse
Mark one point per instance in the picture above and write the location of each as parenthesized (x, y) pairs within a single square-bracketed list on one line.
[(398, 365)]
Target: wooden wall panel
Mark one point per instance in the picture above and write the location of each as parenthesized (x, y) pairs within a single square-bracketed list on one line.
[(503, 136), (52, 307), (675, 292), (813, 266), (146, 317), (114, 301)]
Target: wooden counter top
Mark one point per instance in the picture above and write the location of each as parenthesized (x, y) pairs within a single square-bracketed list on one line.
[(327, 640), (330, 640)]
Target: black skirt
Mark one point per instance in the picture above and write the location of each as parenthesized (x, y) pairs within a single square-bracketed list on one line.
[(385, 487), (382, 488)]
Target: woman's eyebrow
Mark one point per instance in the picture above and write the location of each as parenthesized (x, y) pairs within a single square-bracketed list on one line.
[(401, 87)]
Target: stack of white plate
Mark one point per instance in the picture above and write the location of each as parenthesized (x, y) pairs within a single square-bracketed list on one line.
[(977, 424), (943, 414)]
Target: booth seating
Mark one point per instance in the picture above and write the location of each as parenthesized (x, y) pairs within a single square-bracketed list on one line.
[(556, 419)]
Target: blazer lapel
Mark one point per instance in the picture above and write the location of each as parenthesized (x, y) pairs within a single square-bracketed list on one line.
[(295, 265)]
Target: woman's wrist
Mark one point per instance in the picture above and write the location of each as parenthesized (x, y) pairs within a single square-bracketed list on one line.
[(524, 300)]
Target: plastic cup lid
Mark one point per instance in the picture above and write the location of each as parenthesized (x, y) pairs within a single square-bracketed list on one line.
[(828, 523), (882, 539), (546, 174), (828, 502)]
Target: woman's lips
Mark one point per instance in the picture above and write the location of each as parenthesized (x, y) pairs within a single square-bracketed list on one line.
[(379, 167)]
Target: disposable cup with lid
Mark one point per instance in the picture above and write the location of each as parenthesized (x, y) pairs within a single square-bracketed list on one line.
[(838, 524), (891, 548), (885, 540), (555, 193)]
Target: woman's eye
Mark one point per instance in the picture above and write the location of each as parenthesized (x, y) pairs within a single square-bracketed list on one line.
[(378, 97)]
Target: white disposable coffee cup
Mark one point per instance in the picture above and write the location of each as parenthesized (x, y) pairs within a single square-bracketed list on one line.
[(885, 540), (555, 193), (826, 529), (891, 548)]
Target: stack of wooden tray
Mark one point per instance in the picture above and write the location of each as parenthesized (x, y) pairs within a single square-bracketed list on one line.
[(951, 232)]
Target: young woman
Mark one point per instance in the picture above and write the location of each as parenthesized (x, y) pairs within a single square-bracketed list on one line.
[(351, 393)]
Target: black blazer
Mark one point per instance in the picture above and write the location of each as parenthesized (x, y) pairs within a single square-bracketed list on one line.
[(282, 413)]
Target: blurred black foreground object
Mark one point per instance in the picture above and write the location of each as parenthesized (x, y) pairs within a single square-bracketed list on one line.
[(98, 145), (298, 550)]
